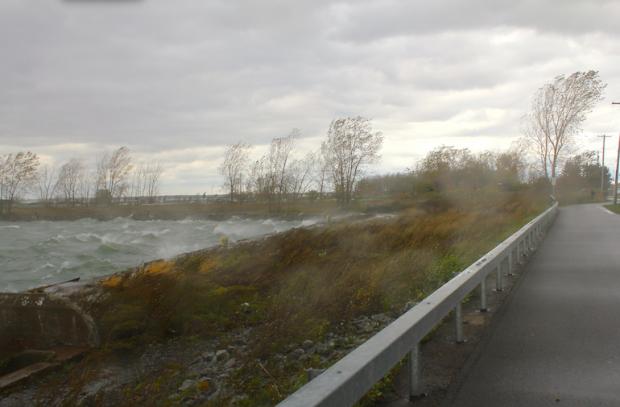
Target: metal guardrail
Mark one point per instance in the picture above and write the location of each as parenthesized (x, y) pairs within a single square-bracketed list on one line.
[(349, 379)]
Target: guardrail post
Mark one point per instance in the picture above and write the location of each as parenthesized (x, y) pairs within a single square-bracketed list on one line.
[(510, 263), (498, 280), (483, 295), (415, 372), (527, 244), (458, 318)]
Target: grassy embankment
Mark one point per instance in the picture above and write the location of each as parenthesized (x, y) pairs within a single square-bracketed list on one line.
[(302, 283), (613, 208)]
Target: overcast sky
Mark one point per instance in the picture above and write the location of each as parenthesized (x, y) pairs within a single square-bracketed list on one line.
[(178, 80)]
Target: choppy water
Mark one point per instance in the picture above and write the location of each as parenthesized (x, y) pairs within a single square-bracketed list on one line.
[(43, 252)]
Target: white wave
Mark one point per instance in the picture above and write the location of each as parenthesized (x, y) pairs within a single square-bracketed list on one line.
[(186, 221), (63, 266), (10, 227), (154, 233), (44, 267), (112, 238), (308, 222), (88, 237)]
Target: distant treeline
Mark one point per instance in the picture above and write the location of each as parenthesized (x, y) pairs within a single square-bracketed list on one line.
[(334, 171), (448, 169), (111, 177)]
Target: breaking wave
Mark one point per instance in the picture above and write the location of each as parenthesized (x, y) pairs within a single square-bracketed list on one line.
[(43, 252)]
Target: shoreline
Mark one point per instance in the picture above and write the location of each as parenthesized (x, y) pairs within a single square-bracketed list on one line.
[(85, 280), (293, 210)]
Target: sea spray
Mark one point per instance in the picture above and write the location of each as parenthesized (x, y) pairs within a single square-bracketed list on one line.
[(44, 252)]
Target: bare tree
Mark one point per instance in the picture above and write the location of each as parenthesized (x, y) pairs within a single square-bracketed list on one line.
[(299, 176), (351, 145), (277, 162), (47, 181), (538, 144), (558, 110), (145, 181), (86, 184), (257, 180), (113, 171), (70, 179), (269, 177), (18, 172), (136, 184), (321, 171), (233, 166)]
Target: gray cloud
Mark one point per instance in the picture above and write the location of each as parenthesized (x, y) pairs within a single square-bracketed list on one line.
[(166, 77), (370, 20)]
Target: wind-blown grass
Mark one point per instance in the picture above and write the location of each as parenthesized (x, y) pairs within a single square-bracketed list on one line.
[(300, 284)]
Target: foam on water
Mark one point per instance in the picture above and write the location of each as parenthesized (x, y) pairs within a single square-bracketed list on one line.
[(44, 252)]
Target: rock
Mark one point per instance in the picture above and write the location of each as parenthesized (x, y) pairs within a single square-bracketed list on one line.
[(307, 344), (323, 349), (238, 399), (246, 308), (408, 306), (381, 318), (297, 353), (312, 373), (222, 355), (208, 356), (205, 385), (230, 363), (366, 326), (240, 341), (187, 384)]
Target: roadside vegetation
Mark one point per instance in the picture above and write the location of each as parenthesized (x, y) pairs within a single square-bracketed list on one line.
[(583, 179), (614, 208), (319, 285)]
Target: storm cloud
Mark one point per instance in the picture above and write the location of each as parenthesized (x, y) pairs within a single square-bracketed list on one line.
[(178, 80)]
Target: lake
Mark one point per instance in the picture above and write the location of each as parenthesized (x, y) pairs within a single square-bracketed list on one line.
[(45, 252)]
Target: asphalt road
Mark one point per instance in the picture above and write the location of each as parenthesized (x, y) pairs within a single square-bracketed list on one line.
[(556, 342)]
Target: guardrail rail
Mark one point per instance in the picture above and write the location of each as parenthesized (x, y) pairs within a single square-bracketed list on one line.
[(349, 379)]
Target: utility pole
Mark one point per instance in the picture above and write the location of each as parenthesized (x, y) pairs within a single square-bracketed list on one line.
[(616, 183), (603, 168), (617, 162)]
